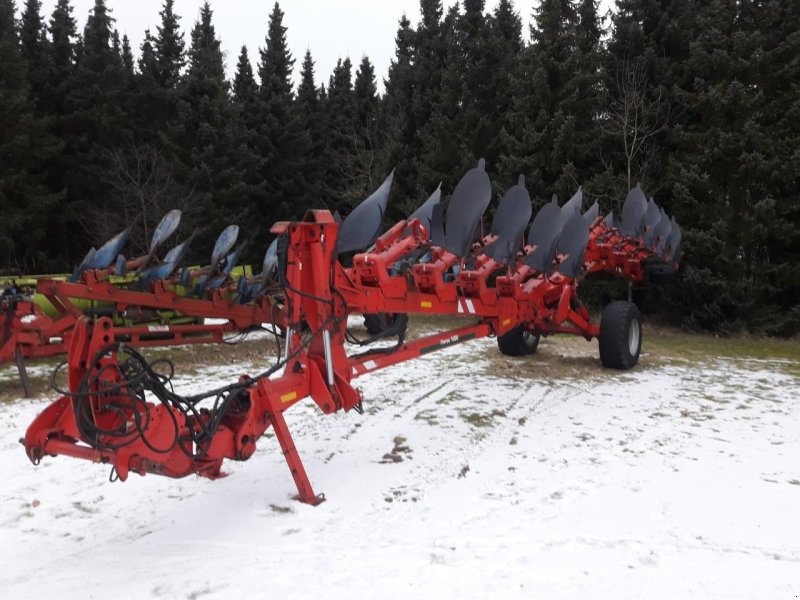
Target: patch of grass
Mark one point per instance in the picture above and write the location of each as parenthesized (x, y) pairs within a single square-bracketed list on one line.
[(428, 417), (450, 397), (482, 420), (670, 342)]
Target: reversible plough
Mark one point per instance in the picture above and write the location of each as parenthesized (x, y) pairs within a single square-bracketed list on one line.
[(151, 301), (122, 410)]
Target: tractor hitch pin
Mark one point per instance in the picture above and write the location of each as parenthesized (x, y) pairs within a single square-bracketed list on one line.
[(326, 342)]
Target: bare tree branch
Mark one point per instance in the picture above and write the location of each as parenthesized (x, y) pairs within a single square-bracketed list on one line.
[(142, 190), (638, 113)]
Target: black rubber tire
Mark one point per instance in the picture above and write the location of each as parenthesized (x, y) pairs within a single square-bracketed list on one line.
[(518, 341), (377, 323), (660, 274), (620, 336)]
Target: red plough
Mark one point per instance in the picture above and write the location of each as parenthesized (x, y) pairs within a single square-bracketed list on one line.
[(121, 410)]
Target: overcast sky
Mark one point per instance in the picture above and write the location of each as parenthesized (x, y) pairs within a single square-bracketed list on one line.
[(330, 28)]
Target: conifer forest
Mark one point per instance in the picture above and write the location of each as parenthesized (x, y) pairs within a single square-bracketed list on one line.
[(698, 101)]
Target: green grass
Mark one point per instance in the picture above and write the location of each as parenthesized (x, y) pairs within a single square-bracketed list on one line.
[(482, 420), (688, 345)]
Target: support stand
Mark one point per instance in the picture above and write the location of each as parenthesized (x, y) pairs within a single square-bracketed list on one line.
[(23, 373), (305, 493)]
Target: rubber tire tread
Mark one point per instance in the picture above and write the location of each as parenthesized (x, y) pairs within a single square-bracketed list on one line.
[(512, 343), (613, 339), (375, 323)]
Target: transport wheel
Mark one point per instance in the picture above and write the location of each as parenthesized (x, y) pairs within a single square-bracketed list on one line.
[(518, 341), (377, 323), (660, 274), (620, 335)]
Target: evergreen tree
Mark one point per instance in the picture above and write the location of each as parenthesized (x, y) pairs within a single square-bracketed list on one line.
[(456, 121), (162, 59), (63, 35), (150, 103), (397, 124), (740, 219), (282, 143), (251, 188), (56, 103), (588, 94), (34, 45), (308, 111), (366, 92), (357, 132), (308, 95), (541, 138), (245, 88), (275, 68), (169, 47), (127, 57), (148, 63), (343, 186), (430, 53), (24, 200), (95, 124), (778, 203), (475, 95), (202, 137)]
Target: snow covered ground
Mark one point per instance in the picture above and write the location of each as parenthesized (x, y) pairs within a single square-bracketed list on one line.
[(673, 480)]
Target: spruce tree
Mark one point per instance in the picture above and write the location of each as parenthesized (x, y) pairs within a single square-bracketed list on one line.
[(251, 188), (356, 133), (56, 103), (308, 111), (245, 87), (169, 47), (429, 60), (150, 103), (282, 143), (733, 190), (588, 94), (341, 191), (397, 123), (366, 92), (778, 76), (161, 60), (96, 125), (35, 51), (25, 201), (63, 35), (202, 137), (540, 139), (127, 57), (449, 140), (148, 63)]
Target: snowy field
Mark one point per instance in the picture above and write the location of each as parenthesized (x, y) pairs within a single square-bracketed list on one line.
[(678, 479)]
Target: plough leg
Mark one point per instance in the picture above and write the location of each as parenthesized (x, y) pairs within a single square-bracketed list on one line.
[(305, 492)]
